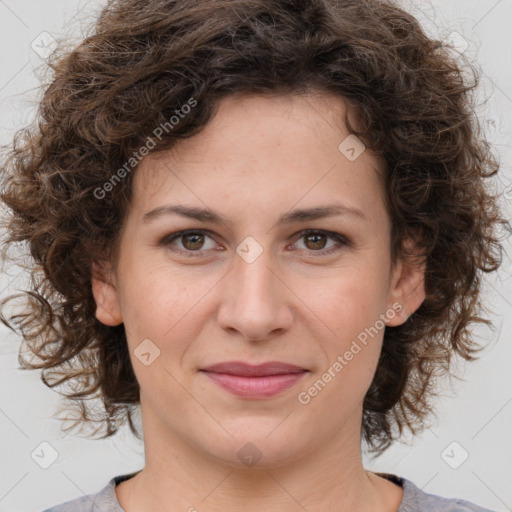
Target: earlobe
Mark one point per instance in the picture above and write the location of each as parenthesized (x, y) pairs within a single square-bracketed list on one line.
[(407, 289), (104, 291)]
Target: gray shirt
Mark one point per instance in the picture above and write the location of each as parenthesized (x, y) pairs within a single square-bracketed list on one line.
[(414, 499)]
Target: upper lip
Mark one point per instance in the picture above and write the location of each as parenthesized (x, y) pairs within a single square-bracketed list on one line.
[(249, 370)]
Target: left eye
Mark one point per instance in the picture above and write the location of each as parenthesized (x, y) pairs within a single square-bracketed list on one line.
[(193, 241), (316, 240)]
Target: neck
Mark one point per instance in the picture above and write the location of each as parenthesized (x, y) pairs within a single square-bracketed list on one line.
[(178, 476)]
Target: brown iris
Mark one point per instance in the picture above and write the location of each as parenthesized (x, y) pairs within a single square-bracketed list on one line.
[(196, 241), (314, 238)]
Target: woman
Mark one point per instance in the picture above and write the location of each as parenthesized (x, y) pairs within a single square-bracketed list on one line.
[(265, 223)]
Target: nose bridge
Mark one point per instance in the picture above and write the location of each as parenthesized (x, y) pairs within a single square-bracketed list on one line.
[(253, 279), (253, 301)]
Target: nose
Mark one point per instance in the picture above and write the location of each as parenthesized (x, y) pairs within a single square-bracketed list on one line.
[(255, 300)]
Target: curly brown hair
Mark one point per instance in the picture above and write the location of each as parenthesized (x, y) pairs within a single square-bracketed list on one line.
[(143, 61)]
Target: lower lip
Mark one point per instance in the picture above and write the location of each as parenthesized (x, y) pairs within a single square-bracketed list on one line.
[(255, 387)]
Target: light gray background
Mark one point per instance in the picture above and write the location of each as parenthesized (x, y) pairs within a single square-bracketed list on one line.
[(476, 414)]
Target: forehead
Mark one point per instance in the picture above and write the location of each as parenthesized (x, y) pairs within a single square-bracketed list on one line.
[(242, 123), (266, 148)]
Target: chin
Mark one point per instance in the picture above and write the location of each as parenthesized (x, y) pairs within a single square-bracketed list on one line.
[(259, 447)]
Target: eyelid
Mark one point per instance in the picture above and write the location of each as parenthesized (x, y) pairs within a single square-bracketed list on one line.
[(341, 240), (168, 239)]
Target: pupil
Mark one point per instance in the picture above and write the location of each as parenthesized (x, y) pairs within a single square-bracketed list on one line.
[(194, 245), (317, 241), (322, 245)]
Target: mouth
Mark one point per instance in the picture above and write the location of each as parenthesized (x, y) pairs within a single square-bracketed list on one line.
[(254, 381), (248, 370)]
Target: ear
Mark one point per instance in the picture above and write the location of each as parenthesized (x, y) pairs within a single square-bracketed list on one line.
[(407, 288), (104, 290)]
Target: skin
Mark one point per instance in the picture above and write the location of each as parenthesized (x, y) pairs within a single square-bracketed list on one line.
[(259, 158)]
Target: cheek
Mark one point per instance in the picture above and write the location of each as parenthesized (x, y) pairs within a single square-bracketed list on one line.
[(163, 305), (350, 305), (351, 310), (348, 301), (160, 320)]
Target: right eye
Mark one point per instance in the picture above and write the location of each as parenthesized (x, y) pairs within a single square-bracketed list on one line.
[(191, 240)]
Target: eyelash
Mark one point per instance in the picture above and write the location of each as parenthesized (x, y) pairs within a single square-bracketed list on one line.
[(343, 241)]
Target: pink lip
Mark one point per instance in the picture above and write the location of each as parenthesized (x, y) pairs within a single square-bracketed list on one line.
[(249, 370), (250, 381)]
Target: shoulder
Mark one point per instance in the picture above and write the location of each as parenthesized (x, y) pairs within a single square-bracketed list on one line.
[(416, 500), (103, 501)]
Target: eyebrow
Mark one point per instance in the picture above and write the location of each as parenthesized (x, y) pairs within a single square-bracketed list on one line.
[(299, 215)]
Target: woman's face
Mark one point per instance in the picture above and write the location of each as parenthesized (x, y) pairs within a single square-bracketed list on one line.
[(248, 285)]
